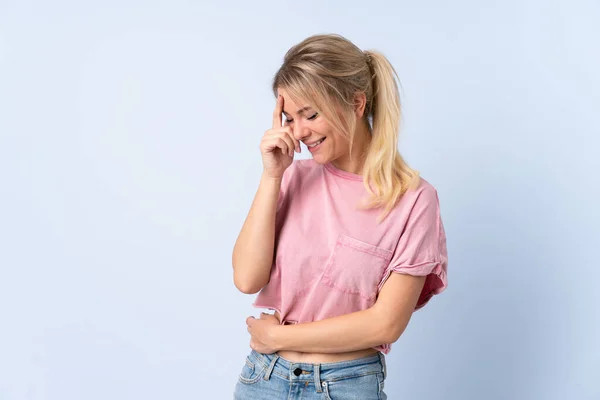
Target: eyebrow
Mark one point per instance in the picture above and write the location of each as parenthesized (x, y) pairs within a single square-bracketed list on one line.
[(300, 110)]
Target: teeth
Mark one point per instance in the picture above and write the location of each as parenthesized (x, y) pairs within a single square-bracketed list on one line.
[(316, 144)]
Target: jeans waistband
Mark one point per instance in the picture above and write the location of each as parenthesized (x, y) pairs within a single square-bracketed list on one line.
[(318, 372)]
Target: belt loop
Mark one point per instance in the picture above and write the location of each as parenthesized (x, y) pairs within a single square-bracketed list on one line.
[(317, 372), (271, 366), (383, 365)]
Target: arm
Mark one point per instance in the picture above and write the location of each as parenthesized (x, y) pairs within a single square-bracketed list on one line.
[(253, 251), (383, 323)]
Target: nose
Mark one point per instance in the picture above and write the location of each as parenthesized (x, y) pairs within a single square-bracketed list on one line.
[(300, 131)]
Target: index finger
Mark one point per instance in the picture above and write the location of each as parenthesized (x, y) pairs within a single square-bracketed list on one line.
[(277, 113)]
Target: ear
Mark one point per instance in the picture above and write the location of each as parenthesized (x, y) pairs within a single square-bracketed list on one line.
[(360, 102)]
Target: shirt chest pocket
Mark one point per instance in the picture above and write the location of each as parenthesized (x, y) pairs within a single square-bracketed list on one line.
[(356, 267)]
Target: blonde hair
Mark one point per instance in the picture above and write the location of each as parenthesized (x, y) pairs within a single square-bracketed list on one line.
[(328, 70)]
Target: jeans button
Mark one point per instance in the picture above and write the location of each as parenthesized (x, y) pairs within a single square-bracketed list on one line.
[(297, 371)]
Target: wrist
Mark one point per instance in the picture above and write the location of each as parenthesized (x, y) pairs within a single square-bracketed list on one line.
[(276, 337), (270, 178)]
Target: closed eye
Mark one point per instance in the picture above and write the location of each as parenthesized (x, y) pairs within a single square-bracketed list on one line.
[(311, 118)]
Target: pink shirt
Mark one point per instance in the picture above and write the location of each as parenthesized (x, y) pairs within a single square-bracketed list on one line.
[(332, 258)]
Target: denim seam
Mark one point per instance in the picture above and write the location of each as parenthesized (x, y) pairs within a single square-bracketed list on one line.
[(259, 374), (275, 372), (351, 376)]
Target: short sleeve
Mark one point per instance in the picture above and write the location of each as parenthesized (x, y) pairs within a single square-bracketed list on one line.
[(421, 249)]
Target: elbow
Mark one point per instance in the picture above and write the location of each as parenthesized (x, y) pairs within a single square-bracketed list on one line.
[(247, 286), (389, 325), (394, 335), (393, 330), (247, 289), (244, 279)]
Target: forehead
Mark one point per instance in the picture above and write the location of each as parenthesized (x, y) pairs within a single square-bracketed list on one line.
[(290, 106)]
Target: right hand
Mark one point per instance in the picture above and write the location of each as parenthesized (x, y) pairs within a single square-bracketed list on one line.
[(278, 145)]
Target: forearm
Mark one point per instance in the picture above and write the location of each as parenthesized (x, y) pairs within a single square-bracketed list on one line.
[(355, 331), (253, 251)]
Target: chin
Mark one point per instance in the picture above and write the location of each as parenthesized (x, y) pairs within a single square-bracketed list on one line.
[(320, 159)]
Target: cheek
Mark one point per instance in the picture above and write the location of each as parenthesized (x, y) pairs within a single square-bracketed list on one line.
[(323, 128)]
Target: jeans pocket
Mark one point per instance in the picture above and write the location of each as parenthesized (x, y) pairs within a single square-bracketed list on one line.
[(251, 372), (356, 267), (364, 387)]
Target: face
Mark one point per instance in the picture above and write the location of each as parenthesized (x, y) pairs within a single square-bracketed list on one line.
[(311, 128)]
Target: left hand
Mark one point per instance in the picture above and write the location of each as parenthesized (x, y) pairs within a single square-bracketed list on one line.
[(262, 333)]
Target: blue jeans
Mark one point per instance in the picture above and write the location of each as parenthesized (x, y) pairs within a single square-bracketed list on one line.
[(271, 377)]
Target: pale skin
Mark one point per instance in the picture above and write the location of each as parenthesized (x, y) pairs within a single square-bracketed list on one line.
[(352, 335)]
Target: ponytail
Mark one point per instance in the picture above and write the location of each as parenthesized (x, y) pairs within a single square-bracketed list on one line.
[(386, 175)]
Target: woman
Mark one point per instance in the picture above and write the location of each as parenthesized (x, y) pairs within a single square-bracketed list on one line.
[(343, 246)]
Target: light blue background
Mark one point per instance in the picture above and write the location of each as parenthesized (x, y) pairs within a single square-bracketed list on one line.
[(129, 136)]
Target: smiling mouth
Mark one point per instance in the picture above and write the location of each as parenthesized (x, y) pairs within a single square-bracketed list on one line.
[(316, 144)]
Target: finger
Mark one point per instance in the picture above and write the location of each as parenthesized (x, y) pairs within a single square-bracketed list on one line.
[(266, 316), (291, 134), (290, 142), (282, 143), (287, 132), (249, 320), (277, 112)]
